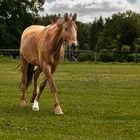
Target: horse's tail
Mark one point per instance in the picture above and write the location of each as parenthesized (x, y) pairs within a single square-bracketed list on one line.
[(30, 72)]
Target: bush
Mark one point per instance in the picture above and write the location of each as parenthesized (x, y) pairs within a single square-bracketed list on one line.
[(86, 46), (107, 56), (85, 57), (134, 58), (125, 48)]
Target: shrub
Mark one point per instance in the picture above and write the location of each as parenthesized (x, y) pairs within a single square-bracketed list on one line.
[(86, 46), (85, 57), (107, 56), (125, 48), (134, 58)]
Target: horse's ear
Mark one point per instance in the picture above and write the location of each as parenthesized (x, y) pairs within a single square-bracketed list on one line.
[(74, 17), (53, 20), (66, 16)]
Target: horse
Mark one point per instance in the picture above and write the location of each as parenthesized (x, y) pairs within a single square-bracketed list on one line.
[(41, 50)]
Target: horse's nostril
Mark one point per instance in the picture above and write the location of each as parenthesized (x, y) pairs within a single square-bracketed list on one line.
[(73, 46)]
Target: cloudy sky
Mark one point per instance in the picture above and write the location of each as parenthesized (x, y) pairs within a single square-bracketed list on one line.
[(87, 10)]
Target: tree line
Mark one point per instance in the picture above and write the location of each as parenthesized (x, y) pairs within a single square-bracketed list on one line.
[(116, 38)]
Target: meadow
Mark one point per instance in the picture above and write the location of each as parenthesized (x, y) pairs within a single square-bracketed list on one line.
[(100, 102)]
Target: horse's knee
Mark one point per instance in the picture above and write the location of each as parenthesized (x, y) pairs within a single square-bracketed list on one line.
[(52, 85), (53, 89)]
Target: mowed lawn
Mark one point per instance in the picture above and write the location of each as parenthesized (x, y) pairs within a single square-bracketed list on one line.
[(100, 102)]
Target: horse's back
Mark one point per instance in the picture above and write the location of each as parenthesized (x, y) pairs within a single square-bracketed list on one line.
[(32, 31), (33, 28)]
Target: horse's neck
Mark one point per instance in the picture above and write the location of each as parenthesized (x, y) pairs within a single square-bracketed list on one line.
[(57, 40)]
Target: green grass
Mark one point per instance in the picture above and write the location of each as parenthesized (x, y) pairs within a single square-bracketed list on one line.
[(100, 102)]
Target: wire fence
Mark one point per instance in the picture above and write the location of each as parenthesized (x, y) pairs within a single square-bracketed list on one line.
[(87, 55)]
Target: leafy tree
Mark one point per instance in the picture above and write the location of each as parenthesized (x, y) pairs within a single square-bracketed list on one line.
[(83, 35), (96, 27), (121, 29), (14, 18)]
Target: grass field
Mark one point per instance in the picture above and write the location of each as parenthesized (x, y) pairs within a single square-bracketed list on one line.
[(100, 102)]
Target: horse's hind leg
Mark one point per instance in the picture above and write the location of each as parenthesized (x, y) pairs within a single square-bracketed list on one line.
[(36, 75), (24, 66)]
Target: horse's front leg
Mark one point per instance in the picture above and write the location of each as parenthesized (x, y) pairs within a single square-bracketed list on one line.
[(36, 101), (52, 85), (41, 88)]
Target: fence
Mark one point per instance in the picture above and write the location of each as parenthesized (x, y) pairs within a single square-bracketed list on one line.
[(70, 55), (87, 55), (10, 52)]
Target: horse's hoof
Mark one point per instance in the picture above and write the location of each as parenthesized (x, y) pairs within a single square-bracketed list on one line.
[(58, 111), (35, 106), (23, 103)]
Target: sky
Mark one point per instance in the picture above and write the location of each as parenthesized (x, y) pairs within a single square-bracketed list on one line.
[(87, 10)]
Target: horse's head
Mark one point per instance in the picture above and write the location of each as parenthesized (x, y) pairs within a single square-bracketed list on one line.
[(69, 30)]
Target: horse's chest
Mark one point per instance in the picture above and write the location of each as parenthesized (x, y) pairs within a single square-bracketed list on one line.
[(54, 59)]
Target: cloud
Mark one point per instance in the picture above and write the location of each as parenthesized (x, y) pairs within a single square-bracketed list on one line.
[(87, 10)]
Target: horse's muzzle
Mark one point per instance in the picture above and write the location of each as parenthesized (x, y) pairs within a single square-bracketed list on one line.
[(74, 46)]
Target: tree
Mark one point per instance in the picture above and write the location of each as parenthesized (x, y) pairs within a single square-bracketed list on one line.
[(121, 29), (83, 35), (14, 18), (96, 28)]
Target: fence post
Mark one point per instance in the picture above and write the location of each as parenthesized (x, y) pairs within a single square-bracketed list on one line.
[(95, 54), (136, 54)]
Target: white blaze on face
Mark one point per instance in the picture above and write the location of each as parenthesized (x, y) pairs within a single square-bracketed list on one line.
[(74, 36)]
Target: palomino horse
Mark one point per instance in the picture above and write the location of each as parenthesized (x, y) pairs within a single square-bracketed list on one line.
[(43, 47)]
